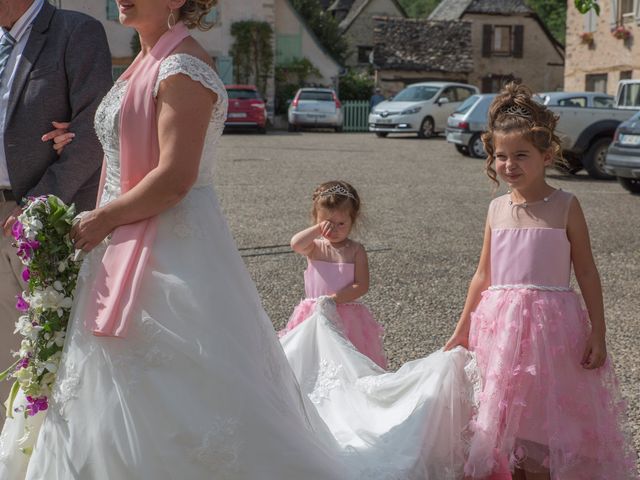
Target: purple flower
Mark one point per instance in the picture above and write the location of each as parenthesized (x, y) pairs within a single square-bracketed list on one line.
[(26, 275), (17, 230), (21, 304), (26, 248), (23, 363), (36, 405)]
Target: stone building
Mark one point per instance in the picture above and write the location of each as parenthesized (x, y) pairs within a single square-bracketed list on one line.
[(292, 38), (508, 41), (357, 25), (596, 58), (407, 51)]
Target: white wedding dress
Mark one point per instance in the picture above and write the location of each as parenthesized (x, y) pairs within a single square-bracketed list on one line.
[(201, 388)]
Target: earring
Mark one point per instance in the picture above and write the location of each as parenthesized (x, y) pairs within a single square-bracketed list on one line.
[(171, 21)]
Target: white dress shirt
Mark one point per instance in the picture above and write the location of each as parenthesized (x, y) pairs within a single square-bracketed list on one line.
[(20, 32)]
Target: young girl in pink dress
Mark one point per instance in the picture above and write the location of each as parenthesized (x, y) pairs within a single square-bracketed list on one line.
[(337, 267), (550, 407)]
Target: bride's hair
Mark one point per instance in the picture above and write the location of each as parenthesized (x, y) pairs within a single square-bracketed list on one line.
[(193, 13)]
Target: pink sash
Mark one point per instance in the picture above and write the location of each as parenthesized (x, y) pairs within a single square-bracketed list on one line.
[(117, 282)]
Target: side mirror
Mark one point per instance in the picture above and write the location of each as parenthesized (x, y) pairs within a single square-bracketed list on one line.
[(443, 100)]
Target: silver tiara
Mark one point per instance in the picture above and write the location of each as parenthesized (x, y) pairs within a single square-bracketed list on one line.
[(517, 110), (336, 190)]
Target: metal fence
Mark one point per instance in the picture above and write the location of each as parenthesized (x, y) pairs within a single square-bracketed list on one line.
[(356, 116)]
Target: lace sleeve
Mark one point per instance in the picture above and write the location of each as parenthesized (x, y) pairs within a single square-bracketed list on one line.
[(197, 70)]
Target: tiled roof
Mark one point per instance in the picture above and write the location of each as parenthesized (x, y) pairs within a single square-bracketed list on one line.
[(454, 9), (428, 45)]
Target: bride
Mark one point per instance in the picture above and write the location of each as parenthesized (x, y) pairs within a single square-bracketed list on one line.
[(171, 367)]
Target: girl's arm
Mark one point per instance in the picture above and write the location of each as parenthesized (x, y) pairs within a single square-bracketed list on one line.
[(183, 114), (360, 284), (588, 278), (479, 283), (303, 242)]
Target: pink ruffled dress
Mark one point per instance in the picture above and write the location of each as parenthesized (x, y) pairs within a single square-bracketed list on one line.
[(539, 409), (358, 324)]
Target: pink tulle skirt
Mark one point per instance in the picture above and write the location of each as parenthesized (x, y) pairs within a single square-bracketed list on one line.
[(358, 325), (539, 409)]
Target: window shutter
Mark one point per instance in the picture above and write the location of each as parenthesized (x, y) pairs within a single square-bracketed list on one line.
[(486, 85), (225, 69), (614, 12), (636, 10), (112, 10), (590, 19), (518, 41), (487, 31)]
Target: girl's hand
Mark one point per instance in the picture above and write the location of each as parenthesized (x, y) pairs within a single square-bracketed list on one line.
[(61, 136), (326, 228), (457, 339), (90, 229), (595, 353)]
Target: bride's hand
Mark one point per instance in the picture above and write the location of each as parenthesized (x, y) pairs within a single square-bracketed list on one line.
[(61, 136), (90, 229)]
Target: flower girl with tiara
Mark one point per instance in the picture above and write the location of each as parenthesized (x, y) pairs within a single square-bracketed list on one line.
[(337, 267)]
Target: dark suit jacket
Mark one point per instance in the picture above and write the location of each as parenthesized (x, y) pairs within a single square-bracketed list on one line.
[(64, 73)]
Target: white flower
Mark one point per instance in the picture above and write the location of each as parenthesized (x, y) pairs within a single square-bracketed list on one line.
[(62, 266), (58, 285), (49, 299)]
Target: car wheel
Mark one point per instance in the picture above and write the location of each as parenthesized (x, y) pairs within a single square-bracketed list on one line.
[(427, 128), (630, 184), (382, 134), (338, 129), (594, 159), (462, 150), (476, 147)]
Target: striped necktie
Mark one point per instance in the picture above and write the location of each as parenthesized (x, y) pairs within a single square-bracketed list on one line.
[(7, 42)]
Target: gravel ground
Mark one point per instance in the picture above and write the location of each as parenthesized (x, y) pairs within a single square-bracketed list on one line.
[(424, 207)]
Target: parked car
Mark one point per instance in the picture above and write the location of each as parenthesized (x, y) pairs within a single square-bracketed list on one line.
[(315, 107), (628, 95), (247, 108), (466, 124), (577, 99), (421, 108), (623, 156)]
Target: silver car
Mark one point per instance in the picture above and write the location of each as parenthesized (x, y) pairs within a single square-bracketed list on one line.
[(466, 124), (420, 108), (315, 107), (577, 99)]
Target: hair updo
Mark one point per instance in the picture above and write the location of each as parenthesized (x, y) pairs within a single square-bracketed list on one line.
[(336, 201), (193, 13), (515, 110)]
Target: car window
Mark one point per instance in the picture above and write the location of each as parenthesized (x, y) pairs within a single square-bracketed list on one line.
[(603, 102), (573, 102), (467, 104), (416, 93), (450, 93), (317, 95), (463, 93), (242, 94), (629, 95)]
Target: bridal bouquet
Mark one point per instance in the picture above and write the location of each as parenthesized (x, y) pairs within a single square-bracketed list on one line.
[(42, 238)]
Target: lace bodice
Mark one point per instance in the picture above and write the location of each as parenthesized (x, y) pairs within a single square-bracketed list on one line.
[(107, 120)]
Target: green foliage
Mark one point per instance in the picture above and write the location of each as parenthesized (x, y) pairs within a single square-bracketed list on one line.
[(289, 78), (324, 26), (252, 52), (356, 86), (419, 8), (554, 14), (584, 6)]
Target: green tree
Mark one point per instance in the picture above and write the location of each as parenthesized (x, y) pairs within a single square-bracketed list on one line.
[(419, 8), (252, 52), (356, 86), (324, 26), (554, 14)]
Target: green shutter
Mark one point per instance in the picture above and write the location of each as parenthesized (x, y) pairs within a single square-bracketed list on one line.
[(288, 47), (225, 69), (112, 10)]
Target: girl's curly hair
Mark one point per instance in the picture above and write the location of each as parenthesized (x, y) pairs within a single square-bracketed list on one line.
[(336, 201), (193, 13), (515, 110)]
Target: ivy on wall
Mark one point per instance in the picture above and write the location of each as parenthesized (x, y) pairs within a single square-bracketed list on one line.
[(252, 52)]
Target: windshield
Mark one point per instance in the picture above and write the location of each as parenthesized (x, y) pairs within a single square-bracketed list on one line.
[(467, 104), (316, 95), (629, 95), (242, 94), (417, 93)]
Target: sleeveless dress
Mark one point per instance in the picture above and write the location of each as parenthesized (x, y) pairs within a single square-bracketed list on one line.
[(356, 321), (540, 410), (200, 388)]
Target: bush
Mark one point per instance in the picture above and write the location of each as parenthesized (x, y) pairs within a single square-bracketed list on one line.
[(356, 86)]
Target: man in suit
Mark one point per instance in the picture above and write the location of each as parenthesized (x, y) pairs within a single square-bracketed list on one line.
[(55, 65)]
